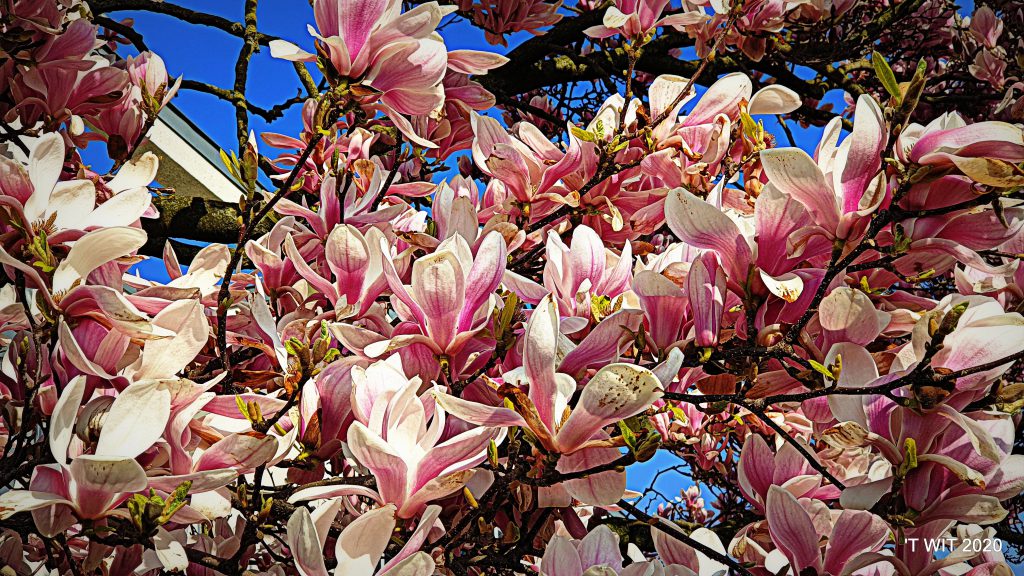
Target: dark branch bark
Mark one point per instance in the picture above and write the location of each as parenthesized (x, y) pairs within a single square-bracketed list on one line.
[(203, 220), (179, 12)]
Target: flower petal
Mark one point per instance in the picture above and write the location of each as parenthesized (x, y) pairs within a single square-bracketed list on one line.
[(615, 393)]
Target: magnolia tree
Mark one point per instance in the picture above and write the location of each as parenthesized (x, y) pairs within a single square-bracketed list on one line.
[(451, 312)]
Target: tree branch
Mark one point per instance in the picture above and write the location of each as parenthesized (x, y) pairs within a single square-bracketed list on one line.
[(179, 12)]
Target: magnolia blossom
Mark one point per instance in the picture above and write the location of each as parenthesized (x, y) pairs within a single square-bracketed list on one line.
[(402, 445), (361, 545), (636, 18), (400, 371), (91, 486)]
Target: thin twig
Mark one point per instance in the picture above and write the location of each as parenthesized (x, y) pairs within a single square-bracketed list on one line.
[(673, 531)]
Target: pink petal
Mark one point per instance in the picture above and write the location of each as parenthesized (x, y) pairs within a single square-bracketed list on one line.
[(439, 287), (63, 418), (454, 455), (855, 532), (415, 541), (483, 278), (238, 452), (756, 467), (603, 344), (560, 558), (602, 489), (476, 413), (387, 466), (705, 286), (849, 315), (601, 548), (863, 157), (795, 174), (167, 356), (701, 225), (304, 544), (362, 543), (94, 250), (474, 61), (615, 393), (674, 551), (722, 97), (774, 99), (539, 356), (348, 256), (792, 531)]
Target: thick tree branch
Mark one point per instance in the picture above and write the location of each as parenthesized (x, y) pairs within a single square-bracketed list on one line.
[(204, 220), (178, 12)]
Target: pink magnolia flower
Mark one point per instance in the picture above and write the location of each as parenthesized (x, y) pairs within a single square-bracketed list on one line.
[(634, 19), (93, 485), (500, 17), (986, 27), (576, 275), (852, 537), (527, 168), (62, 209), (634, 388), (354, 261), (743, 243), (705, 286), (948, 141), (615, 392), (450, 298), (390, 51), (361, 544), (148, 73), (149, 90), (988, 66), (397, 55), (402, 446), (845, 184), (66, 79), (759, 469)]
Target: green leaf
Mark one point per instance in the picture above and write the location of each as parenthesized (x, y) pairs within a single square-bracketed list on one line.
[(909, 458), (885, 75), (229, 163), (294, 346), (175, 501), (583, 134), (822, 369), (242, 407), (627, 435), (492, 454)]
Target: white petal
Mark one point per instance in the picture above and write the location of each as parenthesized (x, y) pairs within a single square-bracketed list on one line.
[(288, 51), (44, 166), (135, 174), (121, 210), (94, 250), (774, 99), (135, 421), (70, 202)]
